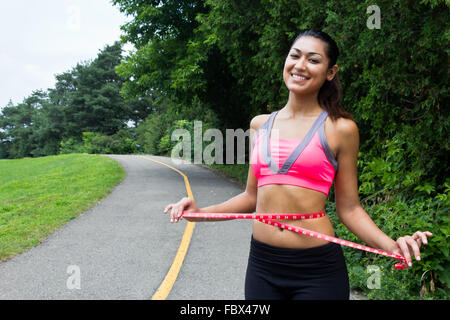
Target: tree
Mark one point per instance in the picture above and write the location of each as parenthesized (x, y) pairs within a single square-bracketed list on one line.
[(17, 123), (89, 95), (177, 65)]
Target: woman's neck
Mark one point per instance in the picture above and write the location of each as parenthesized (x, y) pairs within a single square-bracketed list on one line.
[(302, 106)]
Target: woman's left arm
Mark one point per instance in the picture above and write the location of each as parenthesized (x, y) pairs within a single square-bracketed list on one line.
[(348, 206)]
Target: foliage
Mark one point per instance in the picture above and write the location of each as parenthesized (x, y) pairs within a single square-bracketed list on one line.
[(89, 95), (71, 145), (150, 132), (190, 133), (96, 143), (398, 216), (178, 64)]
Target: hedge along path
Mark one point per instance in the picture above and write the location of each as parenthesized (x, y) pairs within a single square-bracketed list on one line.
[(171, 276)]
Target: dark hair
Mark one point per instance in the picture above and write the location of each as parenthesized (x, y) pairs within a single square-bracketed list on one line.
[(330, 94)]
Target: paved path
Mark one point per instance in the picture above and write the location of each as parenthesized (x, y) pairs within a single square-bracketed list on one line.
[(124, 246)]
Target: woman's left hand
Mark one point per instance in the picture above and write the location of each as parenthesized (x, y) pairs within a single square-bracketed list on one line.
[(409, 245)]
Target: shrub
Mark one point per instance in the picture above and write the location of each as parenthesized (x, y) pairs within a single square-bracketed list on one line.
[(150, 132), (71, 145), (118, 143), (96, 143)]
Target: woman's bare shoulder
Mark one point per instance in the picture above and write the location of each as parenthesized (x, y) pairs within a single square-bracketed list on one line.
[(258, 121), (341, 133), (346, 127), (343, 127), (346, 135)]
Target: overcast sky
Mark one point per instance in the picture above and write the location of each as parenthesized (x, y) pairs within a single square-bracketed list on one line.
[(41, 38)]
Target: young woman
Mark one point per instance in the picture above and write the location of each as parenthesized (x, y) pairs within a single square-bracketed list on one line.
[(297, 152)]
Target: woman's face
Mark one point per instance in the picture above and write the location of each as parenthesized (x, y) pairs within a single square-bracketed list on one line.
[(306, 66)]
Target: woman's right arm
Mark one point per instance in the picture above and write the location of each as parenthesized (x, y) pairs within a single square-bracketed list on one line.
[(244, 202)]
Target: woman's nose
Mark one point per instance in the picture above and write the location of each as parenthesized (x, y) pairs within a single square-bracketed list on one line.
[(300, 65)]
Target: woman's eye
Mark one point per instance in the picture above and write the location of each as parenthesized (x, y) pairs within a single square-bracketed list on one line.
[(294, 56), (314, 61)]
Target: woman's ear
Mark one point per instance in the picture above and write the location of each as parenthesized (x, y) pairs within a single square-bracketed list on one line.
[(332, 72)]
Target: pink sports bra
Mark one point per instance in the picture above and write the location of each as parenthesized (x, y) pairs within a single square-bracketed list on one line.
[(307, 163)]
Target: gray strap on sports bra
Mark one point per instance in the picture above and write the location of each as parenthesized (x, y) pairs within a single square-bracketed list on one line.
[(326, 147), (261, 130), (265, 144)]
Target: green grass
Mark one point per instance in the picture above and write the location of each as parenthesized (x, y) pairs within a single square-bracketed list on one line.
[(39, 195), (236, 171)]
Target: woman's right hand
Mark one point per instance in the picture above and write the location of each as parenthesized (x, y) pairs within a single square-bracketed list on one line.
[(184, 205)]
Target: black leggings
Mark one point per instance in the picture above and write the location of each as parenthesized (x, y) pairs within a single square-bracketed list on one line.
[(275, 273)]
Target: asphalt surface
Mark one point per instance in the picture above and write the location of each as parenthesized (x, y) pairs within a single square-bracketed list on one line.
[(123, 247)]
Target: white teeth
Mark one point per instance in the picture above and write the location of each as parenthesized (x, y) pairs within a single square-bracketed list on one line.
[(298, 77)]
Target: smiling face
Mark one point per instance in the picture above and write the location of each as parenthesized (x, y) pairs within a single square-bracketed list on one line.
[(306, 66)]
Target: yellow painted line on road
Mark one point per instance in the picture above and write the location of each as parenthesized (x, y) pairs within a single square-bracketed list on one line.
[(171, 276)]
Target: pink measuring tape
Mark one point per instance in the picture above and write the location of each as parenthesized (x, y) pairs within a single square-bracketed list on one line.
[(267, 218)]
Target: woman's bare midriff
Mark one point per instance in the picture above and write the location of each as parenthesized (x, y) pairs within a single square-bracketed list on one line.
[(291, 199)]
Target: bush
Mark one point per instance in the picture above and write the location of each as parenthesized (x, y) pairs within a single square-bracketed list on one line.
[(71, 145), (119, 143), (96, 143), (150, 132), (398, 215)]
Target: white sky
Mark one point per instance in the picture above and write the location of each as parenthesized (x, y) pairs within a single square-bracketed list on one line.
[(41, 38)]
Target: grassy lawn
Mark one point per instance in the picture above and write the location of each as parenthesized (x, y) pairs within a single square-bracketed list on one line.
[(236, 171), (39, 195)]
